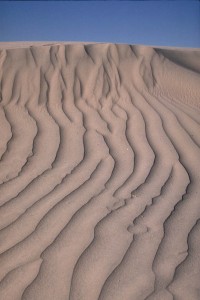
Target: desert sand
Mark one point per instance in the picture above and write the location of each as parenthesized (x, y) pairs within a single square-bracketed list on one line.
[(99, 172)]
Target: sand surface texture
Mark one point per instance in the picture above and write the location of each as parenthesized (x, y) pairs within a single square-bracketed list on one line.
[(99, 173)]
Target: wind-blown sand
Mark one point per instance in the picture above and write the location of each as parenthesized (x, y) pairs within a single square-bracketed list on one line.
[(99, 172)]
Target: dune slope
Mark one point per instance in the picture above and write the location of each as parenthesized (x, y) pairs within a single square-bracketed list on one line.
[(99, 172)]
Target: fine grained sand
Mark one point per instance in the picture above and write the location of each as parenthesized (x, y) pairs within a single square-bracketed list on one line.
[(99, 172)]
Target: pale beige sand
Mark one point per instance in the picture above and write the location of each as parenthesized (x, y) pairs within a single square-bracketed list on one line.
[(99, 172)]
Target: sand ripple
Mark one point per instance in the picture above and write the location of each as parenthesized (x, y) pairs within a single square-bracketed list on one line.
[(99, 173)]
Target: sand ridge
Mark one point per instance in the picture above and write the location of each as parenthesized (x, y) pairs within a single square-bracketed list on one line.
[(99, 172)]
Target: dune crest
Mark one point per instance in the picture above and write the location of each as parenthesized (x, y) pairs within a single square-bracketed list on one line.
[(99, 172)]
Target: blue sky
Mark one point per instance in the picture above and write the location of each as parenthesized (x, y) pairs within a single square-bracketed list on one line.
[(162, 23)]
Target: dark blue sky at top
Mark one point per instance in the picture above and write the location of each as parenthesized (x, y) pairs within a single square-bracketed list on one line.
[(163, 23)]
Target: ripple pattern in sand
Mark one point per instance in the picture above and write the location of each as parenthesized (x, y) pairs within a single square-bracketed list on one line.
[(99, 173)]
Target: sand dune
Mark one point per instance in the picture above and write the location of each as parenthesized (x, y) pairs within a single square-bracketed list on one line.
[(99, 172)]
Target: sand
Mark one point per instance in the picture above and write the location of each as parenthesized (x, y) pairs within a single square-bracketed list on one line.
[(99, 172)]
